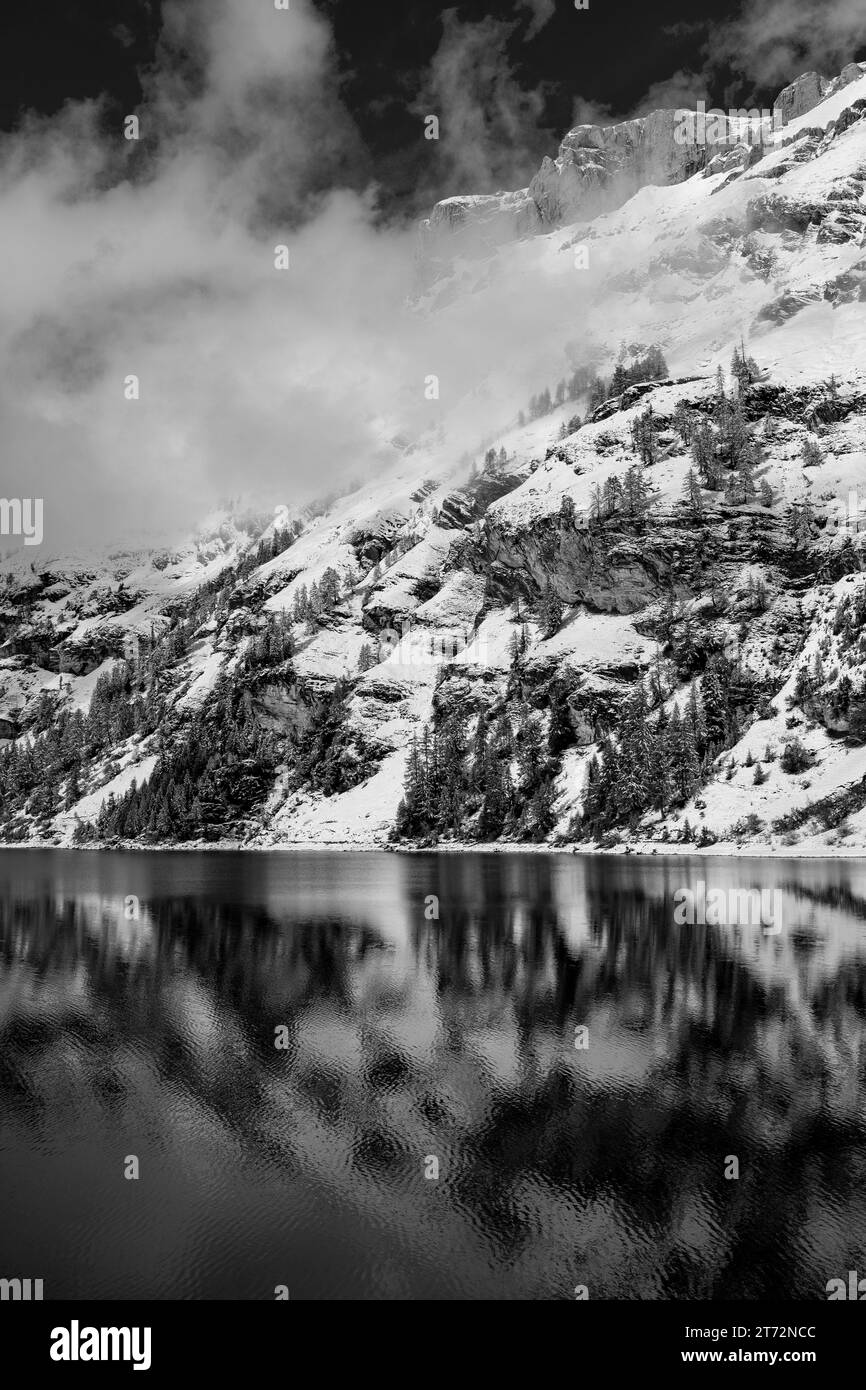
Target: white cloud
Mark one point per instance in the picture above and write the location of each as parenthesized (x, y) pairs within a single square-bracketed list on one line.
[(542, 12), (164, 268), (773, 41), (490, 127), (158, 260)]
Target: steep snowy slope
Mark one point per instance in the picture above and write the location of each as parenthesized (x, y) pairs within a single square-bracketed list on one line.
[(600, 167), (490, 593)]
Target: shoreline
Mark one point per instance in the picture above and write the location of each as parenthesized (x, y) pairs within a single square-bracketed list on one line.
[(637, 850)]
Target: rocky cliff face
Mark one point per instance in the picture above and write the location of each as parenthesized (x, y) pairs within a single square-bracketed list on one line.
[(599, 168), (809, 90)]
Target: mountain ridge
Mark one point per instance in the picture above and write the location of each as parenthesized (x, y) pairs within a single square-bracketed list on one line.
[(598, 167), (655, 563)]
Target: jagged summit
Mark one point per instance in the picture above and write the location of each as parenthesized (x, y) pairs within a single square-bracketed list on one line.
[(809, 90), (598, 167)]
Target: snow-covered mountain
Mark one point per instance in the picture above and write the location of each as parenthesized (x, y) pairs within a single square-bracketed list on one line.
[(601, 167), (632, 615)]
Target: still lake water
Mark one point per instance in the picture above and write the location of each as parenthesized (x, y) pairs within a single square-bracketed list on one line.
[(411, 1039)]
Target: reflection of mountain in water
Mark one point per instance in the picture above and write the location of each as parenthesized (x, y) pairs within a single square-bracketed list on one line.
[(455, 1038)]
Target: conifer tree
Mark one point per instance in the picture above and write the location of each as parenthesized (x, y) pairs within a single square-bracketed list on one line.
[(634, 771), (693, 496), (715, 704), (612, 495), (683, 757), (597, 506), (478, 760), (497, 793), (645, 437), (635, 493), (812, 455), (542, 809), (696, 721), (529, 753), (619, 380), (658, 773), (735, 441), (703, 448)]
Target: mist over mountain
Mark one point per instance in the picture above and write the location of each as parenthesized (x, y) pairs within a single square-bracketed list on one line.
[(155, 257), (536, 522)]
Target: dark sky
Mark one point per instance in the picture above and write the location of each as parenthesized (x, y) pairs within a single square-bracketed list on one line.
[(610, 55), (56, 49)]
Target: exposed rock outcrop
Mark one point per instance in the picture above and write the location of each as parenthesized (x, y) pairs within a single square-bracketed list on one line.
[(802, 95), (598, 168), (609, 572), (467, 504)]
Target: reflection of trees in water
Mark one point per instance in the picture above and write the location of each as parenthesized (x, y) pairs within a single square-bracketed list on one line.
[(745, 1070), (835, 895), (664, 976), (254, 972), (563, 1148)]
